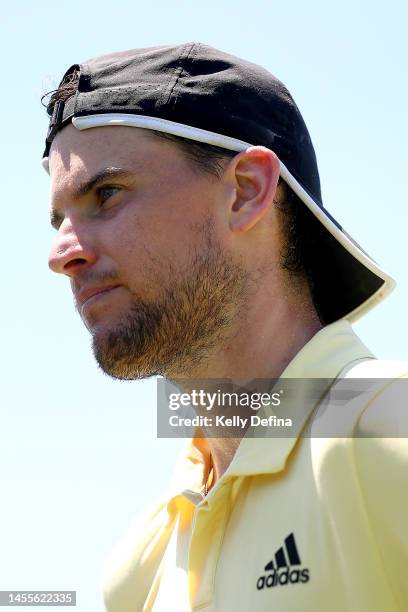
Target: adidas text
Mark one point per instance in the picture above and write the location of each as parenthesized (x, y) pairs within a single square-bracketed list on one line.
[(286, 576)]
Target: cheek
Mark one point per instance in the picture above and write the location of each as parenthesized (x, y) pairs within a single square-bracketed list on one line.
[(149, 249), (155, 234)]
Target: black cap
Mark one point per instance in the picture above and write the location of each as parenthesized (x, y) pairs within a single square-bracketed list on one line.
[(198, 92)]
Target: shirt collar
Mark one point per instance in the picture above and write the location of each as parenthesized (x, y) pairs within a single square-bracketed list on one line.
[(329, 353)]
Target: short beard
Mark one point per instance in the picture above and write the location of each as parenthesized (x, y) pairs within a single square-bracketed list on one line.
[(174, 335)]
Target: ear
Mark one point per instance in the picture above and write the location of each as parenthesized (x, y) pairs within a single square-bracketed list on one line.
[(255, 175)]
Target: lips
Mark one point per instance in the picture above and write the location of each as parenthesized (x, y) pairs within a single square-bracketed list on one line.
[(88, 293)]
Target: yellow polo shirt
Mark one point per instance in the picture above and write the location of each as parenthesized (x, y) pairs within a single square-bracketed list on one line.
[(295, 524)]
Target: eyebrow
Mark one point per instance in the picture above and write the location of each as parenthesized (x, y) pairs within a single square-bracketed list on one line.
[(87, 186), (108, 173)]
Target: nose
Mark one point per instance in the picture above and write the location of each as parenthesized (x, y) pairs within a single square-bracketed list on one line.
[(69, 254)]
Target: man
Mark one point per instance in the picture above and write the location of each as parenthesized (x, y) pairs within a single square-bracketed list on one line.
[(186, 196)]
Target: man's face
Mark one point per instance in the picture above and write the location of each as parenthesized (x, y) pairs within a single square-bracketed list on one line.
[(140, 236)]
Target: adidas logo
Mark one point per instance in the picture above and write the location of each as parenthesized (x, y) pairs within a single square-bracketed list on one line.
[(280, 570)]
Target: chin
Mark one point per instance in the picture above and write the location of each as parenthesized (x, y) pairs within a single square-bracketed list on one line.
[(117, 359)]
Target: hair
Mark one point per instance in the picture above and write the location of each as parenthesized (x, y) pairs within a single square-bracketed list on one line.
[(303, 233)]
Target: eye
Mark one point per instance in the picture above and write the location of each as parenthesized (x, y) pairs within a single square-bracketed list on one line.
[(56, 219), (107, 192)]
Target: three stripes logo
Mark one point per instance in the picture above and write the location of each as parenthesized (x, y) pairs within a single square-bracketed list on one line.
[(284, 568)]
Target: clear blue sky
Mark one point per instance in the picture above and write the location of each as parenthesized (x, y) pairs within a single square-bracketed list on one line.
[(78, 452)]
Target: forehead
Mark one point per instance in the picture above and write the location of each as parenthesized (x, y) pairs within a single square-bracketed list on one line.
[(77, 155)]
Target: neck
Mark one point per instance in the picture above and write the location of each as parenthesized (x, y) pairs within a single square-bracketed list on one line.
[(261, 348)]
